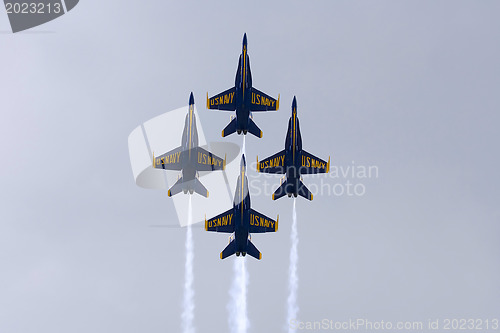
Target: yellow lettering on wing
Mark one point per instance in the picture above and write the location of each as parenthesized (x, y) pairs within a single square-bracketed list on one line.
[(262, 100), (220, 221), (169, 159), (278, 161), (207, 159), (312, 162), (261, 222), (222, 99)]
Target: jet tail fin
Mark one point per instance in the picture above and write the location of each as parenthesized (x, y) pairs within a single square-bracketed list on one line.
[(252, 250), (199, 188), (304, 191), (254, 129), (230, 128), (229, 250), (176, 188)]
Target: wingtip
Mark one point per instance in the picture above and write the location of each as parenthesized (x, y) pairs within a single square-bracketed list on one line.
[(208, 103), (221, 255), (278, 105), (169, 194), (207, 194), (277, 221), (222, 133), (206, 223), (261, 134), (258, 168), (224, 166), (260, 255), (328, 165), (311, 197), (273, 196), (154, 161)]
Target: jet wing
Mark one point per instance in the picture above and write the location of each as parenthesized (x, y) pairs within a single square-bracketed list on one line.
[(168, 161), (273, 164), (221, 223), (263, 102), (312, 164), (224, 101), (260, 223), (206, 161)]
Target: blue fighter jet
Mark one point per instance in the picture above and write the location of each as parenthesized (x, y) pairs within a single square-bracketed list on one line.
[(293, 161), (189, 158), (243, 98), (241, 220)]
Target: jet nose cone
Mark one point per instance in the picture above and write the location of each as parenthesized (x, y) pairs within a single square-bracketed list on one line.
[(243, 163), (294, 104), (245, 39), (191, 99)]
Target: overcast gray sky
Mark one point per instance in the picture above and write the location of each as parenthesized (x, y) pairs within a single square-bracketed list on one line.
[(411, 87)]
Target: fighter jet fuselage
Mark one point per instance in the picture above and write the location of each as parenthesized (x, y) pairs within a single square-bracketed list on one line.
[(241, 208), (293, 161), (243, 99), (241, 220), (293, 153), (189, 159)]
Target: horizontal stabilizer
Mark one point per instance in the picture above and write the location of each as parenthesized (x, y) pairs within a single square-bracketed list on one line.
[(199, 188), (178, 186), (304, 191), (229, 250), (252, 250), (230, 128), (254, 129), (281, 191)]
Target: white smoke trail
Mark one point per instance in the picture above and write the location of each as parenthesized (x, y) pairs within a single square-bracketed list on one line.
[(188, 303), (293, 279), (237, 306)]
